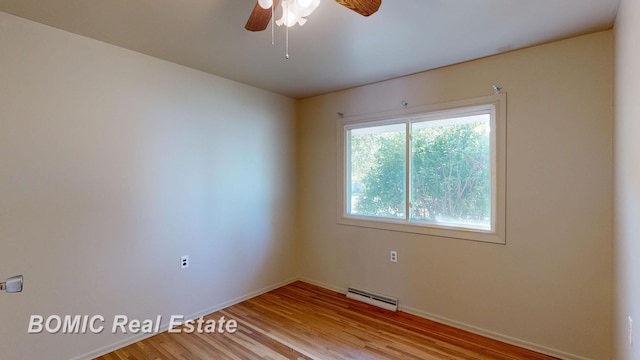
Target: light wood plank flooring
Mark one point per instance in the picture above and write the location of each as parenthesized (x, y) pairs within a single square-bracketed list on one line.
[(301, 321)]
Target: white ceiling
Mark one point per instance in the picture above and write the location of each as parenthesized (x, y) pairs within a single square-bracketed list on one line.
[(336, 49)]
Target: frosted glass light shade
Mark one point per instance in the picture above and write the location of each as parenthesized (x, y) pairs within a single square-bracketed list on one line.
[(304, 8), (289, 19), (296, 11), (265, 4)]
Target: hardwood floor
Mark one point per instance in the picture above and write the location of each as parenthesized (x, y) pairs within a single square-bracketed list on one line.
[(302, 321)]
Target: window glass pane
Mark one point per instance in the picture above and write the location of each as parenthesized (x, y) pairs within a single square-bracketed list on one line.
[(451, 172), (377, 171)]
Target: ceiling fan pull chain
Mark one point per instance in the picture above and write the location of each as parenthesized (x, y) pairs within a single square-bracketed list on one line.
[(287, 45), (273, 23), (286, 21)]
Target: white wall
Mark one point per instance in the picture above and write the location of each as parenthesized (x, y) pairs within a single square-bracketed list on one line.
[(549, 287), (627, 185), (112, 165)]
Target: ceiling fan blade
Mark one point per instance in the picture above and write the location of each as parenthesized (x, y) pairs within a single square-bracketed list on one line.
[(259, 18), (362, 7)]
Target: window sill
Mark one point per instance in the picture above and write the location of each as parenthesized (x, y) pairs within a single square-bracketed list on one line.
[(495, 237)]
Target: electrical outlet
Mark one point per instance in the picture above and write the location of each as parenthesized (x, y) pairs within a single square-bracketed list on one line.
[(184, 261), (630, 330), (393, 256)]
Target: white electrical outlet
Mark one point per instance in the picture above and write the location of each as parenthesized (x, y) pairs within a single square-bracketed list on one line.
[(184, 261), (393, 256), (630, 330)]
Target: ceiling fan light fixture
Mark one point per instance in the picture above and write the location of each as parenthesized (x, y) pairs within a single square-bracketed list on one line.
[(289, 19), (296, 11), (263, 11), (265, 4), (304, 8), (304, 3)]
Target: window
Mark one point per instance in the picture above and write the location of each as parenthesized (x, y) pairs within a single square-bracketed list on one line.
[(436, 170)]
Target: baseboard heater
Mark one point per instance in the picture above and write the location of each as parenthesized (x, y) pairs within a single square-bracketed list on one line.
[(382, 301)]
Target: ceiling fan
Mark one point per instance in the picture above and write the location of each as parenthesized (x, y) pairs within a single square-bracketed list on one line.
[(263, 11)]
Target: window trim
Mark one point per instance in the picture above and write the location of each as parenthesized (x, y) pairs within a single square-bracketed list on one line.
[(497, 235)]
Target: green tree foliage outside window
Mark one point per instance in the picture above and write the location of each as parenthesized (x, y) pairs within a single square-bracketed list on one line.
[(450, 168), (378, 168)]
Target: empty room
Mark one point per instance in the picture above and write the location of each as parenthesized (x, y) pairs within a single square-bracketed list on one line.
[(319, 179)]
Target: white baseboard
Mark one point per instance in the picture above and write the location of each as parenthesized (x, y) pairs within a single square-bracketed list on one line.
[(165, 326)]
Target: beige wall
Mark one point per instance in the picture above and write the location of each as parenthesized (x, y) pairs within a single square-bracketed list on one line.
[(549, 287), (114, 164), (627, 185)]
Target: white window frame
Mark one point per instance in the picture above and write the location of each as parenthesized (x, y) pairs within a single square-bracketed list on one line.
[(433, 112)]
